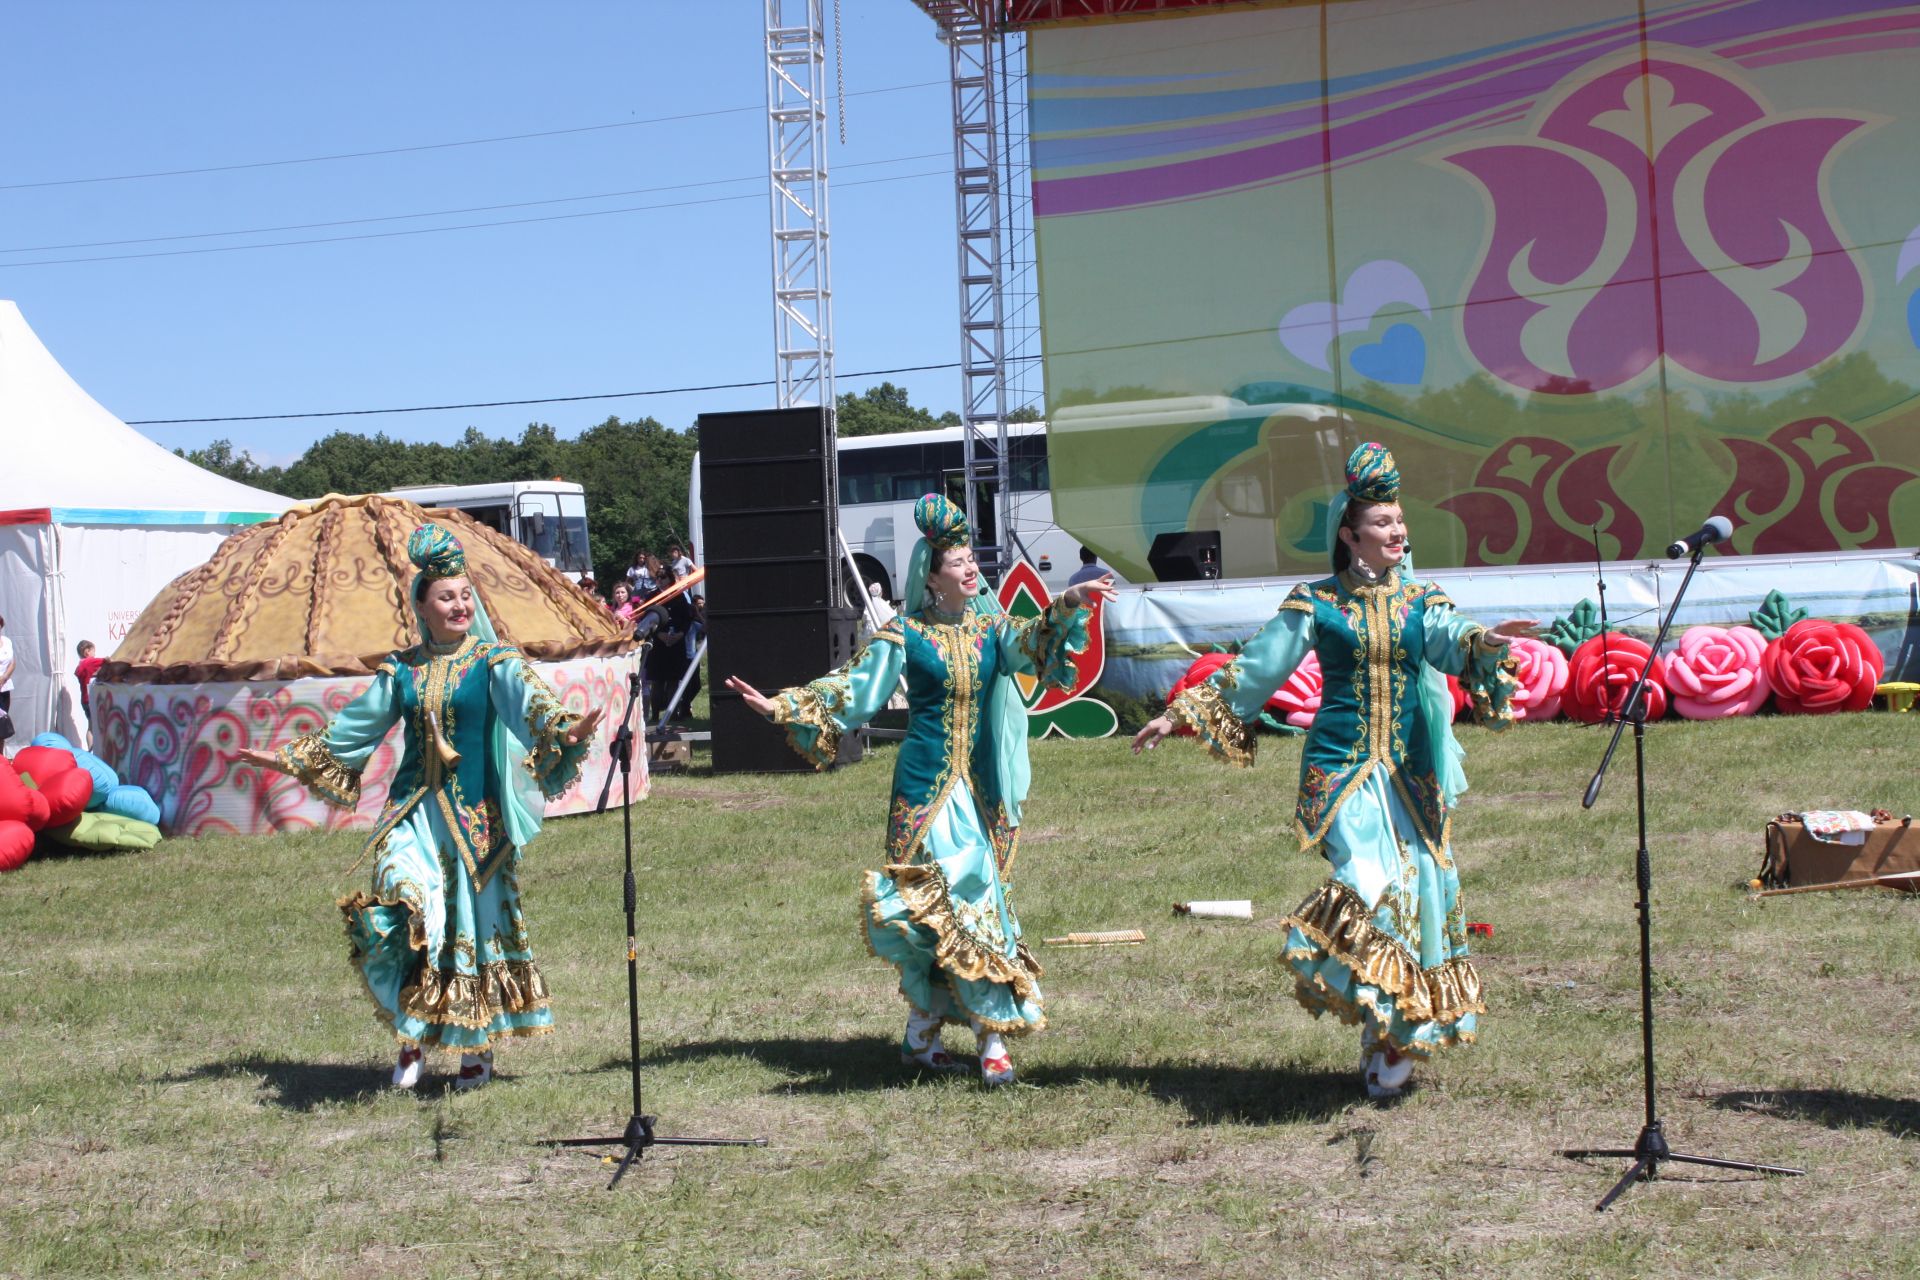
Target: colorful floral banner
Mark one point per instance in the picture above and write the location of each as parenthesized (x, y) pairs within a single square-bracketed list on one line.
[(1593, 269)]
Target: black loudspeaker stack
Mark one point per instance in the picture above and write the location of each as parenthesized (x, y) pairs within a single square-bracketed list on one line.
[(776, 615)]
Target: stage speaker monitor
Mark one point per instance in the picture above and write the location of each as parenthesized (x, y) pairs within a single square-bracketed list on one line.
[(1192, 555)]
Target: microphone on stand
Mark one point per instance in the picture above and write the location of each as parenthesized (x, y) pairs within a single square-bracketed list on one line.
[(1716, 529)]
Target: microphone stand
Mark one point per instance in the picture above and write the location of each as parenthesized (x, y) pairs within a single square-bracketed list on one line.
[(639, 1134), (1600, 575), (1650, 1149)]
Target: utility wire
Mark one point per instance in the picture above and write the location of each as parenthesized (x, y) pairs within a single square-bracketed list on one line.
[(429, 146), (498, 404), (445, 213), (461, 226)]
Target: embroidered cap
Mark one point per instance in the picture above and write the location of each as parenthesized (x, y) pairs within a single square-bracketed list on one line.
[(436, 553), (941, 522), (1372, 475)]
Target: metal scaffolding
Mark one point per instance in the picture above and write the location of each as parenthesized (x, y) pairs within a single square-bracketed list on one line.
[(797, 166)]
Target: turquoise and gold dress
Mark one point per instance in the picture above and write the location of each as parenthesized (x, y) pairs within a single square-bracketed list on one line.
[(941, 909), (441, 941), (1385, 936)]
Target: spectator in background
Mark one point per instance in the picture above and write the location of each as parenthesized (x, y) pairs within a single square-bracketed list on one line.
[(84, 672), (6, 684), (681, 561), (696, 636), (1089, 568), (667, 661), (588, 585), (641, 579), (623, 603)]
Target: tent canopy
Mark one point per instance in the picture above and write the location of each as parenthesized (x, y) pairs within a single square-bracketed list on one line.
[(67, 455)]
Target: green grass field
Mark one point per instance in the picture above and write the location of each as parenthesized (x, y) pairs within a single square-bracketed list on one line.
[(192, 1083)]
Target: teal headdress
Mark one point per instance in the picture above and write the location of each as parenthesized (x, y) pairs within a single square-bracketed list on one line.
[(1371, 475), (941, 523), (436, 553)]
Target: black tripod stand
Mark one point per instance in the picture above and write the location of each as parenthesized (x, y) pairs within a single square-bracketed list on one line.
[(639, 1134), (1650, 1149)]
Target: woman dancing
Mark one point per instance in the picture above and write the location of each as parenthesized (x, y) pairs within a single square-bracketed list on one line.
[(940, 911), (1383, 942), (441, 942)]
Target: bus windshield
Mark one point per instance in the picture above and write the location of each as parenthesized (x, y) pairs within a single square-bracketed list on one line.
[(554, 526)]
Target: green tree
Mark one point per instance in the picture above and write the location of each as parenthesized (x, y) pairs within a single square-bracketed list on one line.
[(882, 410)]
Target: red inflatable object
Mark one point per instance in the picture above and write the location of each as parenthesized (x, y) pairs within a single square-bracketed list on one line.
[(1598, 678), (16, 844), (43, 763), (67, 795), (1818, 667), (1460, 698), (1299, 698), (14, 805)]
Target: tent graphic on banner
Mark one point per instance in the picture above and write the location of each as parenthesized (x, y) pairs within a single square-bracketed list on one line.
[(94, 520)]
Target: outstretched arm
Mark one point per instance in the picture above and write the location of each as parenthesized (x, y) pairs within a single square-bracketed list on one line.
[(328, 761), (1222, 710), (1476, 654), (818, 712)]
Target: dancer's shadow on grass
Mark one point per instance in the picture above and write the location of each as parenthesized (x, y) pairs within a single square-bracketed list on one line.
[(1276, 1094), (1834, 1108), (307, 1086)]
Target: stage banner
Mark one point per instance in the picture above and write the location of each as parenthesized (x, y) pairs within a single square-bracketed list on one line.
[(1591, 268)]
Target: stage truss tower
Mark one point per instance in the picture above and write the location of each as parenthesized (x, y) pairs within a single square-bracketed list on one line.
[(797, 167)]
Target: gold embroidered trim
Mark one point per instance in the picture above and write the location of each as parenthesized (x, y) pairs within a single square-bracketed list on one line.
[(446, 998), (803, 708), (1203, 709), (312, 762), (1339, 923), (955, 953)]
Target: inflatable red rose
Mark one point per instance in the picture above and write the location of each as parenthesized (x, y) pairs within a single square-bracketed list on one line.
[(1602, 671), (1461, 700), (56, 776), (1298, 700), (1204, 666), (1541, 670), (1717, 671), (1818, 667)]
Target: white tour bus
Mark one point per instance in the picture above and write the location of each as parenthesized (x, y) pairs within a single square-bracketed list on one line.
[(549, 516), (881, 477)]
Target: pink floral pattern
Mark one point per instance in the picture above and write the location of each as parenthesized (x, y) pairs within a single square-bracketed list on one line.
[(178, 740), (1716, 672), (1541, 670)]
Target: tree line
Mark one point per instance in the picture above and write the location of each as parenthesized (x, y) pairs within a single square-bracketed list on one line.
[(635, 473)]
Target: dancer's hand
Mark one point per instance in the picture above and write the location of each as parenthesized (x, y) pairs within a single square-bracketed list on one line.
[(1083, 595), (1149, 737), (760, 702), (583, 727), (259, 759), (1512, 629)]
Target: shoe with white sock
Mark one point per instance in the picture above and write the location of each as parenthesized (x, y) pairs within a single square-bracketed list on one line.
[(1385, 1069), (475, 1070), (406, 1068), (920, 1046), (996, 1068)]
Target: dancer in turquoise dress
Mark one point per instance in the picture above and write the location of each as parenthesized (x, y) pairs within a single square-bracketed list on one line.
[(1383, 942), (441, 941), (941, 910)]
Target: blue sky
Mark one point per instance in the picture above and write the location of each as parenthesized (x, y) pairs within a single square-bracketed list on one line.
[(626, 301)]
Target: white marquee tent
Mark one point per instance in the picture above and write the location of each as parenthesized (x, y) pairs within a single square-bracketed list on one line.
[(94, 520)]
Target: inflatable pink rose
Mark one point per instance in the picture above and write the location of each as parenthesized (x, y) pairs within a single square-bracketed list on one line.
[(1299, 697), (1718, 671), (1542, 672)]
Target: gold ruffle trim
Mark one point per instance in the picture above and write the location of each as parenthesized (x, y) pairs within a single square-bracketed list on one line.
[(1338, 922), (449, 998), (313, 763), (956, 954), (445, 997), (1202, 709), (803, 707)]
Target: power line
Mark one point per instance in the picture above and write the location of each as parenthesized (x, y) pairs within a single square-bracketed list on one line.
[(428, 146), (462, 226), (500, 404), (447, 213)]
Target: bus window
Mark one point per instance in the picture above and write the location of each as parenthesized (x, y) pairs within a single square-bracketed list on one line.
[(499, 519), (1027, 463)]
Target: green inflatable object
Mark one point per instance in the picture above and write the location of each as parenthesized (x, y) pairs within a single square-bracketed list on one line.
[(106, 831)]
